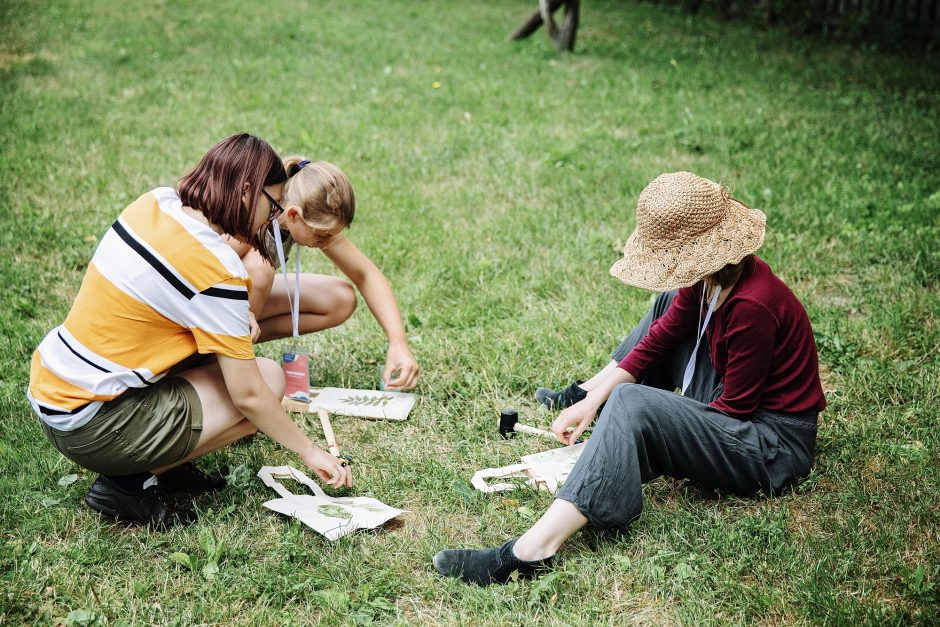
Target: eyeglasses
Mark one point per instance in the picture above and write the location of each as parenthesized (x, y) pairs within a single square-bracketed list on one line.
[(276, 208)]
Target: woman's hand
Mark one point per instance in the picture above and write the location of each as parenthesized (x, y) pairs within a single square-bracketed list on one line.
[(253, 328), (330, 469), (399, 359), (579, 416)]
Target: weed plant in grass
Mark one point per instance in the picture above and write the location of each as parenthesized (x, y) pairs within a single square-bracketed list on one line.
[(496, 184)]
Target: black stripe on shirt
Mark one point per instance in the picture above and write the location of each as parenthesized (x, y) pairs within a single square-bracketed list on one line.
[(224, 293), (142, 380), (165, 272), (48, 411), (75, 352), (94, 365)]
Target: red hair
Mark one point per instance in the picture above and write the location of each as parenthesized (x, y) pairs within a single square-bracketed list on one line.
[(215, 186)]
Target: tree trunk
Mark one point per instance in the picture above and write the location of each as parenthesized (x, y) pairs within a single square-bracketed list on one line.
[(563, 36), (535, 20)]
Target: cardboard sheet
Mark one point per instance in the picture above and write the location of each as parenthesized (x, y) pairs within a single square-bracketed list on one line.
[(376, 404)]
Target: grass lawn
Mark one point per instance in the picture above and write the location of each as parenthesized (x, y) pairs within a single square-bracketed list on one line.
[(496, 183)]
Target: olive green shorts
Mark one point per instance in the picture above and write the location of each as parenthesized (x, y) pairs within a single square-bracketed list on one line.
[(140, 430)]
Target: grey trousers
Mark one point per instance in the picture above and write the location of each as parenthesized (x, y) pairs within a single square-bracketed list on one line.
[(648, 430)]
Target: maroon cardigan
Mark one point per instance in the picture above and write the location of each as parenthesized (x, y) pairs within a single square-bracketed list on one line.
[(761, 343)]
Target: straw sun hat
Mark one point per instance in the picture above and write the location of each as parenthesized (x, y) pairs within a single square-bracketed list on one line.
[(687, 227)]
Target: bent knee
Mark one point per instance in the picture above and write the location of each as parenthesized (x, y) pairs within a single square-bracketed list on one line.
[(272, 374), (343, 301), (347, 300), (629, 393), (631, 403)]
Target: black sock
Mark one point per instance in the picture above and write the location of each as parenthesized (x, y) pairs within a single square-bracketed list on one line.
[(486, 566), (131, 482)]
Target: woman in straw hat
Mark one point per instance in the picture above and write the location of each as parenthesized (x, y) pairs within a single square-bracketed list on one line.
[(727, 333)]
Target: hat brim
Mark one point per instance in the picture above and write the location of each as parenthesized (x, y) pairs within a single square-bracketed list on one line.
[(661, 265)]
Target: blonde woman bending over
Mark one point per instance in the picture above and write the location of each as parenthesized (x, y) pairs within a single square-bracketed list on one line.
[(319, 204)]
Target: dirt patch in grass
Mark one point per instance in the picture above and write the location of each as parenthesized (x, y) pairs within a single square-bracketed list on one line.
[(8, 60)]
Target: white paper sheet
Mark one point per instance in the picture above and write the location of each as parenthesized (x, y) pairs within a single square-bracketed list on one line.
[(329, 516)]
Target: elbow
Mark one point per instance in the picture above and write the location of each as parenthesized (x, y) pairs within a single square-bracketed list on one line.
[(248, 403), (254, 394), (741, 411)]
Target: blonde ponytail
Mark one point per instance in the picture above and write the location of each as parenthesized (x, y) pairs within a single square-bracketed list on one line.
[(321, 190)]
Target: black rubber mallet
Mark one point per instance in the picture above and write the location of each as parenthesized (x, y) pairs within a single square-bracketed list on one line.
[(509, 424)]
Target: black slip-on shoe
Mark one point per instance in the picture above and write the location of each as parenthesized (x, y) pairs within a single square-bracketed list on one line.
[(189, 479), (148, 506), (487, 566), (560, 399)]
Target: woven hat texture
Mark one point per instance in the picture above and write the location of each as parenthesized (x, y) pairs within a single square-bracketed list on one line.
[(687, 227)]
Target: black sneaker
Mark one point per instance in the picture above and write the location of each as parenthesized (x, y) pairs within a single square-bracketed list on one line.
[(561, 398), (188, 478), (142, 506)]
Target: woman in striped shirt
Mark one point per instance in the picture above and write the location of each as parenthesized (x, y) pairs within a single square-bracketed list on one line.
[(110, 385)]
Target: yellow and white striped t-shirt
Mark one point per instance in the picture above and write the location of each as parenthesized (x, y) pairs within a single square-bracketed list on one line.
[(160, 287)]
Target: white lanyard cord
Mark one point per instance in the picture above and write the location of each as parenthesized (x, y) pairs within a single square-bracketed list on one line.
[(690, 367), (295, 302)]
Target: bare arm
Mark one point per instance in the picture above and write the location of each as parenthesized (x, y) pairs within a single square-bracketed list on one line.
[(255, 400), (378, 295), (582, 414), (261, 274)]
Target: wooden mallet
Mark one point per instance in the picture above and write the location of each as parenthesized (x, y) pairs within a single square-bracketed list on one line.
[(509, 424), (330, 437)]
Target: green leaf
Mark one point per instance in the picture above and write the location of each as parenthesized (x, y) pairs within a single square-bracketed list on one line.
[(182, 558), (464, 489), (383, 604), (80, 617), (684, 571), (335, 511), (365, 399), (213, 548), (210, 570), (332, 597), (67, 480), (240, 477), (49, 501), (658, 573)]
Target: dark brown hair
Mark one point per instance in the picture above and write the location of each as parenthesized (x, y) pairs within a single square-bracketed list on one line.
[(215, 186), (730, 273)]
